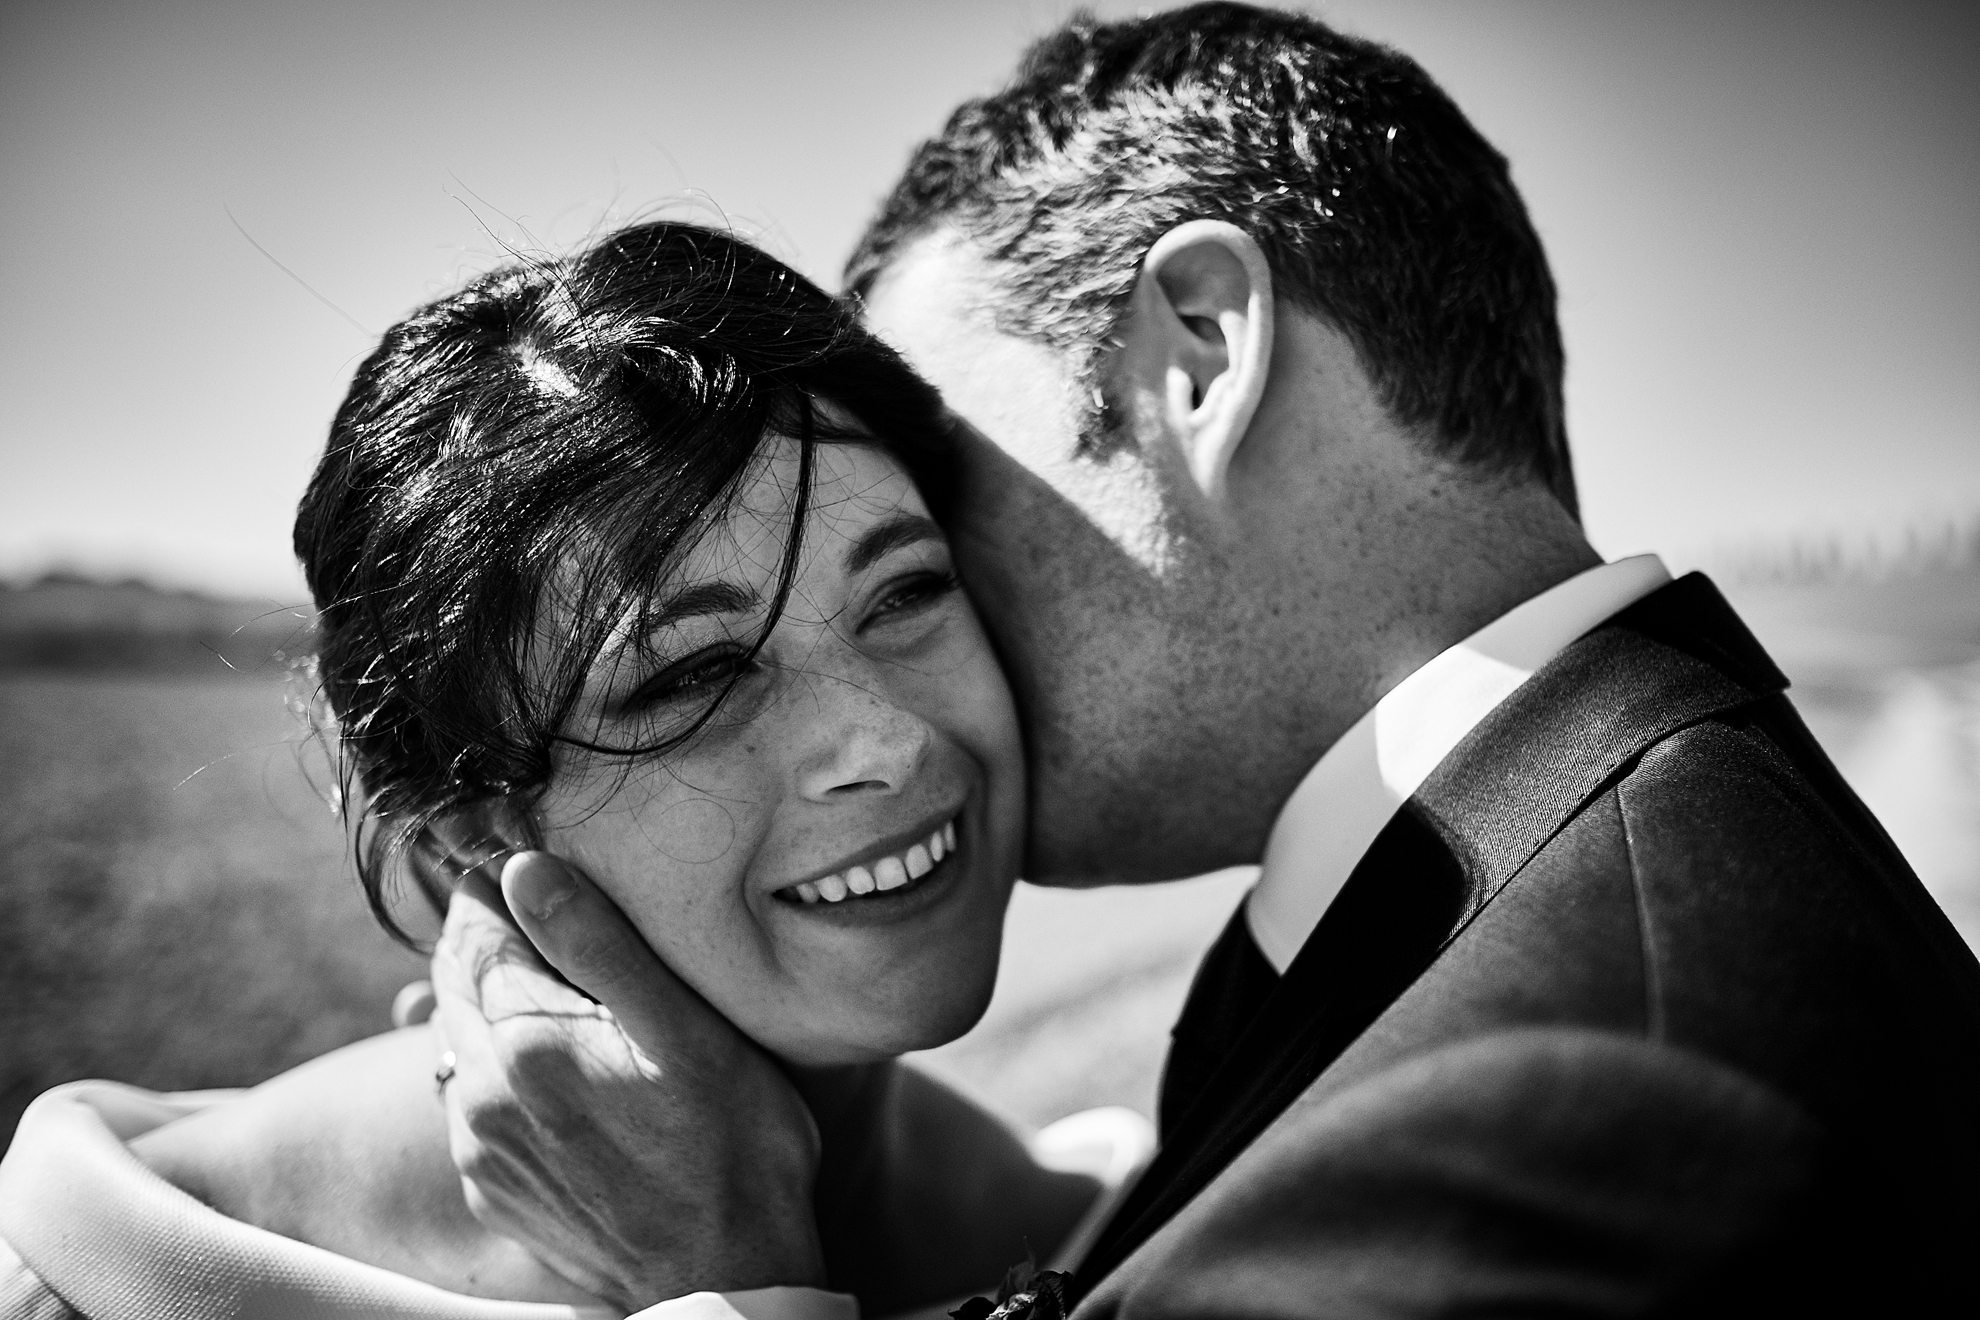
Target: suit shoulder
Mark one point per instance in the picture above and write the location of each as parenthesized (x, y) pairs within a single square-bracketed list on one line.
[(1783, 934), (1750, 781), (1740, 830), (1532, 1170)]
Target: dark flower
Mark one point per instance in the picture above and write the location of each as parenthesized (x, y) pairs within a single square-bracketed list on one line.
[(1028, 1293)]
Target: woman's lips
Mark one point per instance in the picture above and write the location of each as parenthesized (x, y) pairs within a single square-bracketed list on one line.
[(883, 875)]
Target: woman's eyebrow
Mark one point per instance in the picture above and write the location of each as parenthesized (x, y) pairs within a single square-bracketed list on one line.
[(703, 598), (697, 601), (890, 533)]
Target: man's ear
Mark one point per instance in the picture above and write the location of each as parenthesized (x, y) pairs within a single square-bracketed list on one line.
[(1200, 339)]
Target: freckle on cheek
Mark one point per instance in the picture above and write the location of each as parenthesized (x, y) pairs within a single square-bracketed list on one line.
[(694, 832)]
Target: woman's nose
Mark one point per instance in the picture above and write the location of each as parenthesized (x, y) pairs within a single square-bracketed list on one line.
[(862, 743)]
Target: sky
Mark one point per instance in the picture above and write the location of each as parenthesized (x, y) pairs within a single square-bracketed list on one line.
[(1764, 217)]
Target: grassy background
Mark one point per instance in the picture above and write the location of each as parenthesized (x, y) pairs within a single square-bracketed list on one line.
[(177, 908)]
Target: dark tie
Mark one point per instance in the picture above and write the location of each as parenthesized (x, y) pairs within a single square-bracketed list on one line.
[(1248, 1041), (1232, 984)]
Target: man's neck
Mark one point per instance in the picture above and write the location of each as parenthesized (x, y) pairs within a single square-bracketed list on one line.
[(1367, 623), (1469, 591)]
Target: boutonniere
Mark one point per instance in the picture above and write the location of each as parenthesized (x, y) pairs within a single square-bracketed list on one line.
[(1028, 1293)]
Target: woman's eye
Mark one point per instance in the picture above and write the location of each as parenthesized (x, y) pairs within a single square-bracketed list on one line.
[(699, 675), (915, 592)]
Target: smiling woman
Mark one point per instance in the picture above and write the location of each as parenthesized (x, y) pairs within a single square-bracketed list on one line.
[(621, 555), (827, 857)]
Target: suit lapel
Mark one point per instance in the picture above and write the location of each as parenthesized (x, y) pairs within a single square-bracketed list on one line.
[(1384, 928), (1678, 656), (1675, 658)]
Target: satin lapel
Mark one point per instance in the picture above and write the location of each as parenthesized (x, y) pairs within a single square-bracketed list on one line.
[(1677, 657)]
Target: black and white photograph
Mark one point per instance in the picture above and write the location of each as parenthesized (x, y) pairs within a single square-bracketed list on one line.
[(872, 660)]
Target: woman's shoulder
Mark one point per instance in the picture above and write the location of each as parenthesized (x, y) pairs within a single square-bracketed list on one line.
[(327, 1152), (333, 1178)]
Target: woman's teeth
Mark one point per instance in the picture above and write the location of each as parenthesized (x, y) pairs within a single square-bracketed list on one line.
[(887, 874)]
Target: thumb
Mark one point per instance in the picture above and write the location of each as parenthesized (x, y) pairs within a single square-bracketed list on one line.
[(584, 935)]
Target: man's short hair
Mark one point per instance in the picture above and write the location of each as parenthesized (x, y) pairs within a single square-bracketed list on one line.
[(1378, 205)]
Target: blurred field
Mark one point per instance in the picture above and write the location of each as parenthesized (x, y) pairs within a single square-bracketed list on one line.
[(178, 909)]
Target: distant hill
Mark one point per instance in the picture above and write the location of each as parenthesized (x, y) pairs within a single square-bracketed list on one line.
[(1920, 615), (70, 622), (1817, 618)]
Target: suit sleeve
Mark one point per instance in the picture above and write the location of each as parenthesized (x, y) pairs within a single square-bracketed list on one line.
[(1543, 1171)]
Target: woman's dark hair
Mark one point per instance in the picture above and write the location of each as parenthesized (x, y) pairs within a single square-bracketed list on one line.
[(557, 434)]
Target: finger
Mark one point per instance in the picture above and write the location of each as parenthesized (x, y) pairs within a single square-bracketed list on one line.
[(482, 959), (413, 1004), (485, 973), (475, 934), (583, 934), (471, 937), (494, 1136)]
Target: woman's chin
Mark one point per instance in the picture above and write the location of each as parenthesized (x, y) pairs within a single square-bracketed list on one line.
[(859, 992), (868, 1033)]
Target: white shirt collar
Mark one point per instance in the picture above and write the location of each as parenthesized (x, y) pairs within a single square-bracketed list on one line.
[(1351, 793)]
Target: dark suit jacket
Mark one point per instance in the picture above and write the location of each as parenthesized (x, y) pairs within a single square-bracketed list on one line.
[(1633, 1009)]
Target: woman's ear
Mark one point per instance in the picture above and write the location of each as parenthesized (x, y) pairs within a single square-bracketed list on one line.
[(479, 835), (1200, 340)]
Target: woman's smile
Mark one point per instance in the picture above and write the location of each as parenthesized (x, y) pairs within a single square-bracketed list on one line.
[(916, 903), (885, 870)]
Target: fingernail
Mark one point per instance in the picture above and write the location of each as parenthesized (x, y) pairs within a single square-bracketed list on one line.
[(538, 883)]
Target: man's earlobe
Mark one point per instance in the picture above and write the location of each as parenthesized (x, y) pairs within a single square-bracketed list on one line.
[(1204, 298)]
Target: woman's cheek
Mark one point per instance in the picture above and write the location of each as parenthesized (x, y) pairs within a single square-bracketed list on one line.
[(672, 861), (995, 738), (696, 832), (680, 865)]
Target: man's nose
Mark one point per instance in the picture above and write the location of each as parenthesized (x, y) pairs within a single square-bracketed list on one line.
[(862, 742)]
